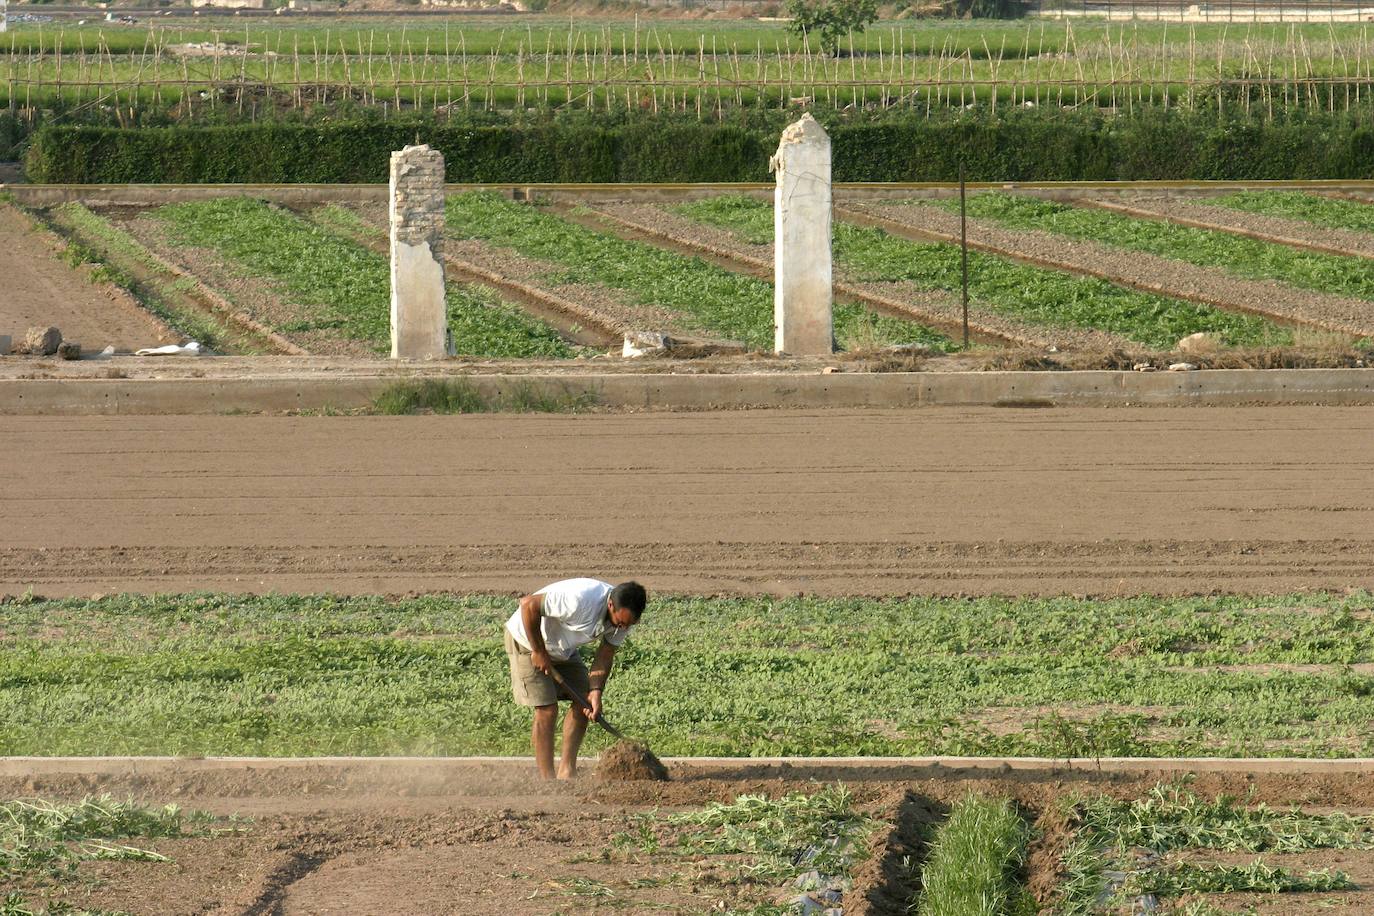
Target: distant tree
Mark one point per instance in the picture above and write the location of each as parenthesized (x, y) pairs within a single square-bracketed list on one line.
[(988, 9), (828, 21)]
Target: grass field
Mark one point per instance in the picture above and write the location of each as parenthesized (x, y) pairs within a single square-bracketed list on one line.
[(295, 675)]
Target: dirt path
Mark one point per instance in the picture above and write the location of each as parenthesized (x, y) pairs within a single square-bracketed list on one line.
[(38, 289), (947, 501), (1148, 272)]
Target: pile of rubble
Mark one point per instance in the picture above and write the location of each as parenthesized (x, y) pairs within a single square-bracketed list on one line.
[(41, 342), (48, 342)]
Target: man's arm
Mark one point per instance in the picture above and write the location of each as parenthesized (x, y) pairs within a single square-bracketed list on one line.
[(600, 673), (532, 616)]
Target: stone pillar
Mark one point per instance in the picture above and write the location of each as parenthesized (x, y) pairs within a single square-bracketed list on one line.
[(801, 241), (419, 316)]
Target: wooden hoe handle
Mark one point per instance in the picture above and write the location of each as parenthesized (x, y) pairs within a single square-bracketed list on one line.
[(578, 698)]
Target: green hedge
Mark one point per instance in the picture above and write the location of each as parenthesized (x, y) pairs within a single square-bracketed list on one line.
[(1027, 145)]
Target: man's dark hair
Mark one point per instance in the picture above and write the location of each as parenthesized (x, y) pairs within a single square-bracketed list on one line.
[(630, 596)]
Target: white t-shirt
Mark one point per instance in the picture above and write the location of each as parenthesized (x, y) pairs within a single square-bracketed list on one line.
[(574, 615)]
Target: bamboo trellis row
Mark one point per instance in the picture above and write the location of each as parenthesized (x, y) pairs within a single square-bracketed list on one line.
[(1115, 70)]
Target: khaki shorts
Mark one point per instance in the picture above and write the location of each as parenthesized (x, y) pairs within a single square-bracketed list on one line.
[(535, 688)]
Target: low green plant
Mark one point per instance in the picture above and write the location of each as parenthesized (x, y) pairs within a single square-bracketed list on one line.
[(45, 838), (1179, 878), (456, 396), (342, 219), (778, 838), (975, 862), (1083, 883), (715, 300), (1172, 816), (1031, 294), (288, 675), (1310, 208), (343, 285), (1245, 257)]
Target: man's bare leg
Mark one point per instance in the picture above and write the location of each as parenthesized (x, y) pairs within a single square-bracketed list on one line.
[(574, 727), (545, 718)]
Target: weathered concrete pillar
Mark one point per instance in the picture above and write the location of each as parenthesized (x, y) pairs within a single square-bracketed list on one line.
[(419, 317), (801, 241)]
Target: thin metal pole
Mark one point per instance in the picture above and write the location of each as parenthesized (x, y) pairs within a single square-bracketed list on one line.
[(963, 246)]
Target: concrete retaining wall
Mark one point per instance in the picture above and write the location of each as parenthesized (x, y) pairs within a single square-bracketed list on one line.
[(698, 392)]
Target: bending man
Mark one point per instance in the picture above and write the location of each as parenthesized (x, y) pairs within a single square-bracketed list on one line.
[(545, 635)]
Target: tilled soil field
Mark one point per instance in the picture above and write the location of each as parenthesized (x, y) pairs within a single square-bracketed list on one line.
[(39, 290), (414, 836), (1091, 501)]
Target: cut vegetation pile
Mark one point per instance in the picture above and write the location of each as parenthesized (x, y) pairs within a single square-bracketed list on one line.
[(44, 843)]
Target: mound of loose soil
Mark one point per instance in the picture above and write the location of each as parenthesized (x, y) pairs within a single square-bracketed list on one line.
[(627, 760)]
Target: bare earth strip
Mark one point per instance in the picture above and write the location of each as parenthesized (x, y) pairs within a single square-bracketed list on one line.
[(39, 290), (940, 309), (1146, 271), (408, 836), (939, 501), (1275, 228)]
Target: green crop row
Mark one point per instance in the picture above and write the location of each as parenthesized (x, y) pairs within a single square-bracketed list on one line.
[(712, 298), (1336, 274), (1030, 294), (975, 863), (285, 675), (1311, 208), (346, 286)]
